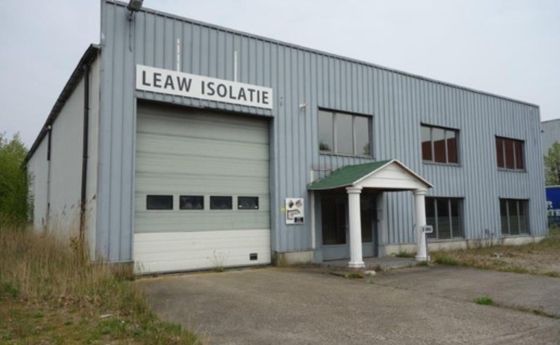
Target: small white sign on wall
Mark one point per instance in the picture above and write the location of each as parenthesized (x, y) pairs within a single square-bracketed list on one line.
[(196, 86), (294, 211)]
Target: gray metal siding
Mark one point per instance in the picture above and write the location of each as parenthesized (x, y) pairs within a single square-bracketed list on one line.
[(550, 133), (397, 101)]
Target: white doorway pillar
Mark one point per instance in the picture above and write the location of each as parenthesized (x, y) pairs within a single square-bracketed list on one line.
[(420, 205), (356, 260)]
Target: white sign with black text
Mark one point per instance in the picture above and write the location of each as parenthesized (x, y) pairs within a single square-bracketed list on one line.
[(196, 86), (294, 211)]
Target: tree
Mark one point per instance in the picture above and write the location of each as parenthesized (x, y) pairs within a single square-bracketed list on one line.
[(552, 165), (13, 181)]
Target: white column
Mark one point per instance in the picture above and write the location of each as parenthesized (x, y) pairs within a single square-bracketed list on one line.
[(420, 205), (356, 260)]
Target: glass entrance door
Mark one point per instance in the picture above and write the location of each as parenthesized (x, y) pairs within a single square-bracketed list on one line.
[(334, 225)]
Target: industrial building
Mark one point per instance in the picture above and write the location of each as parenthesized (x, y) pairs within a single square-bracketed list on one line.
[(550, 134), (181, 145)]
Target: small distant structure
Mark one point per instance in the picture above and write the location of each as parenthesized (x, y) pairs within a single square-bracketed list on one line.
[(553, 204), (550, 133)]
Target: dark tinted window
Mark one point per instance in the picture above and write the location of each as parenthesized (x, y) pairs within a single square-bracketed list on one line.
[(456, 224), (445, 216), (519, 161), (438, 136), (510, 154), (344, 139), (510, 160), (500, 152), (159, 202), (344, 133), (326, 131), (426, 133), (451, 139), (440, 145), (514, 218), (248, 203), (361, 136), (366, 211), (191, 202), (333, 219), (220, 202)]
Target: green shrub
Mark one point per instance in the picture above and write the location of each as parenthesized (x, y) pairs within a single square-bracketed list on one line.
[(13, 182)]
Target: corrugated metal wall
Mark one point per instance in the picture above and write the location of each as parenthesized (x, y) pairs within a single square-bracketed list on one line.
[(550, 133), (397, 101)]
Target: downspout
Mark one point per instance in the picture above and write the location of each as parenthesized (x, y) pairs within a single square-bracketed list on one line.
[(85, 150), (49, 153)]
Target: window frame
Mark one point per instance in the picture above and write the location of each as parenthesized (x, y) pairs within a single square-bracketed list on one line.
[(446, 146), (434, 200), (519, 204), (515, 142), (334, 140)]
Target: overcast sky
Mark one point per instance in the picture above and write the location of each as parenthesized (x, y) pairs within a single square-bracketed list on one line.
[(507, 47)]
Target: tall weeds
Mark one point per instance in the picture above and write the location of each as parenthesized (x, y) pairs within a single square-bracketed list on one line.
[(40, 269)]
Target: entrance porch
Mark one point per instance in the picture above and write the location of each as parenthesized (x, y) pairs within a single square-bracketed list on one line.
[(348, 201)]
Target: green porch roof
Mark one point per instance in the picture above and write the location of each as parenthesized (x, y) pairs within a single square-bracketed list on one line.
[(346, 176)]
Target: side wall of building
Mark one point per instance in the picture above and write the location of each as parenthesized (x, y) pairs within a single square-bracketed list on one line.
[(303, 81), (56, 183), (66, 166)]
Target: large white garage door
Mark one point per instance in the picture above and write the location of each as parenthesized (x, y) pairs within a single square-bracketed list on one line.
[(202, 193)]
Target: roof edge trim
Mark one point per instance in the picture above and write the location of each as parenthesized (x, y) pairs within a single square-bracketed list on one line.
[(87, 58)]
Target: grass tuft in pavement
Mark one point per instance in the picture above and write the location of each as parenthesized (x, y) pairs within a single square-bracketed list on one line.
[(484, 300)]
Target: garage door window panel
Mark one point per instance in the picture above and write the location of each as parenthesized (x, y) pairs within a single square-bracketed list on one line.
[(247, 203), (221, 203), (191, 202), (159, 202)]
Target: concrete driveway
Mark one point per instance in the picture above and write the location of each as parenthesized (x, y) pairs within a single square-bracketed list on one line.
[(412, 306)]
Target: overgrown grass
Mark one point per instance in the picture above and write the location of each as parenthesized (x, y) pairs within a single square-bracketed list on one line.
[(541, 258), (50, 292)]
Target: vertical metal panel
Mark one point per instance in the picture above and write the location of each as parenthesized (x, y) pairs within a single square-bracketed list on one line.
[(398, 103), (550, 134)]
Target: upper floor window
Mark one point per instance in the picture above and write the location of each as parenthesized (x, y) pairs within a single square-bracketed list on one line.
[(440, 145), (345, 134), (510, 154)]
